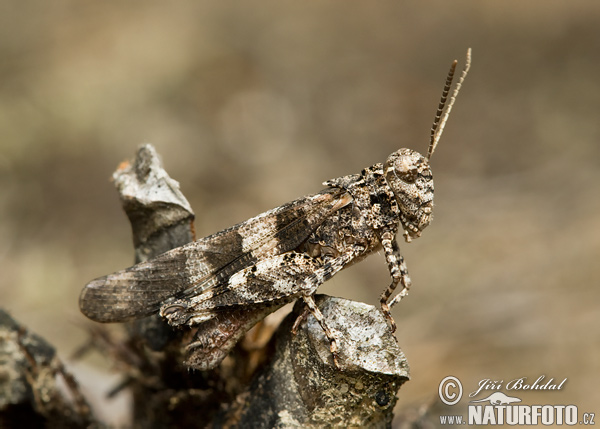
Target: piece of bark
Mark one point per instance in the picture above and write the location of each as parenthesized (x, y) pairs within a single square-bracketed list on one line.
[(161, 217), (30, 395)]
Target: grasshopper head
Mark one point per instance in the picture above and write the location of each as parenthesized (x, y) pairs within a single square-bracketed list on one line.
[(408, 174)]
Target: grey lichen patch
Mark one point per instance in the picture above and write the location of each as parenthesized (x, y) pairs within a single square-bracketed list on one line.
[(366, 342), (147, 182)]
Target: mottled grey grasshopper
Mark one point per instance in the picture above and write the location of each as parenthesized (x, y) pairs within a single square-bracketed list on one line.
[(225, 283)]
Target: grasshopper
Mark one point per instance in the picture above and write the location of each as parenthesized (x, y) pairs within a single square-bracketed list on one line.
[(225, 283)]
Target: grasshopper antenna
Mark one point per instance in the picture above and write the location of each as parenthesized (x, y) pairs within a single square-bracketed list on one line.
[(443, 112)]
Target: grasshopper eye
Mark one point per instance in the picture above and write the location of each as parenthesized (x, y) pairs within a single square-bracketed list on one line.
[(408, 176), (405, 169)]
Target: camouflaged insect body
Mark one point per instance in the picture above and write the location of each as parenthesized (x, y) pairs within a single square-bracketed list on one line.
[(224, 283), (276, 257)]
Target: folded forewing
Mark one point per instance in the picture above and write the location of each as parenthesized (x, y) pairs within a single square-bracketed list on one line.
[(206, 263)]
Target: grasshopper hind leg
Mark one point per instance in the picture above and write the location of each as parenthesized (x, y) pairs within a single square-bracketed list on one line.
[(311, 307), (324, 273)]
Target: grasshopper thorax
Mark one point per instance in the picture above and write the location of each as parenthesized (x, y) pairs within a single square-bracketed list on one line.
[(409, 176)]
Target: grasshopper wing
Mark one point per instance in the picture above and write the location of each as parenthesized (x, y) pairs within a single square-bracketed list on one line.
[(207, 263)]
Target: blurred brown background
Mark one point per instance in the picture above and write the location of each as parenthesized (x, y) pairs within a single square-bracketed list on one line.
[(255, 104)]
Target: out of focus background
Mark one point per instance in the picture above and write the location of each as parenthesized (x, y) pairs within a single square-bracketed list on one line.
[(254, 104)]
